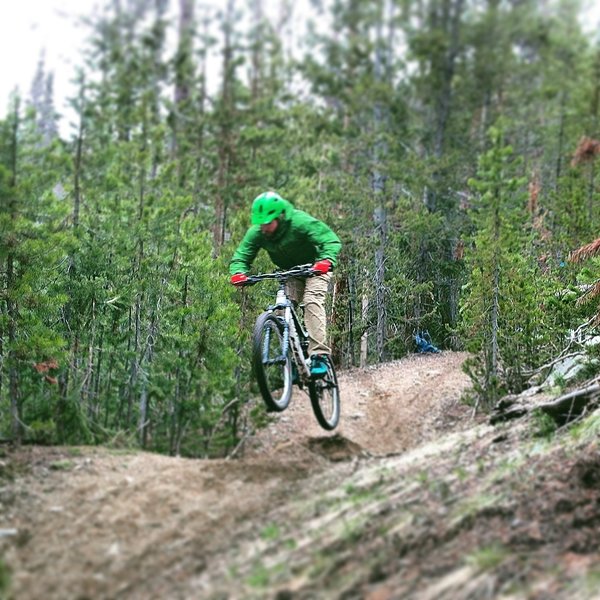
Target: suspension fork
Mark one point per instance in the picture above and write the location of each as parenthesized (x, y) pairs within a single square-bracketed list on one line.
[(292, 330)]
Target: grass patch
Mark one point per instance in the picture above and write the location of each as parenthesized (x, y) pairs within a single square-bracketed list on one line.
[(488, 558), (259, 578), (422, 477), (507, 466), (543, 425), (591, 583), (4, 580), (352, 530), (360, 495), (61, 465), (474, 505), (588, 430), (461, 473), (270, 532), (122, 451)]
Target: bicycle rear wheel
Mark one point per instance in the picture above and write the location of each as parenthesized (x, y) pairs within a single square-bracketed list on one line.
[(325, 398), (271, 362)]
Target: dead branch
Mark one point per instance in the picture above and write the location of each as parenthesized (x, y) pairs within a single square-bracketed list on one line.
[(586, 151), (550, 364), (566, 352), (563, 409), (239, 445), (592, 292), (585, 252)]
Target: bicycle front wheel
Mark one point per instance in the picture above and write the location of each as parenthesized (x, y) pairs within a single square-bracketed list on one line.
[(325, 398), (271, 362)]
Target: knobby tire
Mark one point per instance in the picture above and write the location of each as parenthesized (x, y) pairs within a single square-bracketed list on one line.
[(325, 398), (274, 380)]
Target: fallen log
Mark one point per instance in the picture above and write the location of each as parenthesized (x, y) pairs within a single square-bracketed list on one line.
[(563, 409), (570, 406)]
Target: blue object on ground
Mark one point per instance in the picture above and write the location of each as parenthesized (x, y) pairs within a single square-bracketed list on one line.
[(423, 341)]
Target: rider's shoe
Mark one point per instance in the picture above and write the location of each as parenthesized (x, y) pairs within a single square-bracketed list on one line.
[(318, 366)]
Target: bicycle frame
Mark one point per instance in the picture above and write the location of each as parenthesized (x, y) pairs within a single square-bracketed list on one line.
[(294, 333)]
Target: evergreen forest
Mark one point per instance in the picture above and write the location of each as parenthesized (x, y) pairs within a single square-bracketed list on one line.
[(451, 144)]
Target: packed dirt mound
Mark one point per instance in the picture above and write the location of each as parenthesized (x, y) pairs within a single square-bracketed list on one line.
[(85, 523), (335, 448), (386, 409)]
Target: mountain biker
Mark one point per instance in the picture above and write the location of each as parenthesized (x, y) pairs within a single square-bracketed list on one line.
[(292, 237)]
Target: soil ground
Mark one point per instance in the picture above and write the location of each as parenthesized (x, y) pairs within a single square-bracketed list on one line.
[(409, 498)]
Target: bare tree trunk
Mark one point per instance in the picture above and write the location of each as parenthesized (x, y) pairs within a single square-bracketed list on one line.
[(68, 375), (453, 19), (146, 363), (87, 382), (11, 304), (135, 361), (13, 385), (256, 59), (378, 186), (225, 149), (175, 401), (380, 219), (138, 358), (199, 141), (561, 137), (591, 186), (351, 305), (186, 29), (95, 389), (183, 74), (364, 339), (494, 322), (78, 157), (495, 310)]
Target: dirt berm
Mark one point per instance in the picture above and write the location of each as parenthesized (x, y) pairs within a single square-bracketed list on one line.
[(409, 498)]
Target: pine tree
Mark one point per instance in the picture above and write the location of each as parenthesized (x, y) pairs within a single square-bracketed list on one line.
[(503, 318), (32, 247)]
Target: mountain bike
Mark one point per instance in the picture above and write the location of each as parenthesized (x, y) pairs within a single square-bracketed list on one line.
[(280, 356)]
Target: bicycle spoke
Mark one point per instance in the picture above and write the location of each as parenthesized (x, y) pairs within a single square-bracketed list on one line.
[(271, 365)]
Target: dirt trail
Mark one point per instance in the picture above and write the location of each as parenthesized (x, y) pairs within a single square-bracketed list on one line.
[(385, 409), (385, 507), (105, 524)]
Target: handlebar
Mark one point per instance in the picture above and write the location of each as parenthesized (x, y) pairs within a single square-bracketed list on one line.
[(282, 276)]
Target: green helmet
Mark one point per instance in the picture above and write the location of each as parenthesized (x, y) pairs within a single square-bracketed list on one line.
[(268, 206)]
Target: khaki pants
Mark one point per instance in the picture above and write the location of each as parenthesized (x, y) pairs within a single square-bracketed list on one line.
[(312, 292)]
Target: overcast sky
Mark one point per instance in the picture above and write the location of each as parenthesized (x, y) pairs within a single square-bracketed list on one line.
[(29, 27), (51, 27)]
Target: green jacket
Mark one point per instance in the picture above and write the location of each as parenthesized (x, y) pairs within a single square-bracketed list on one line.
[(299, 239)]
